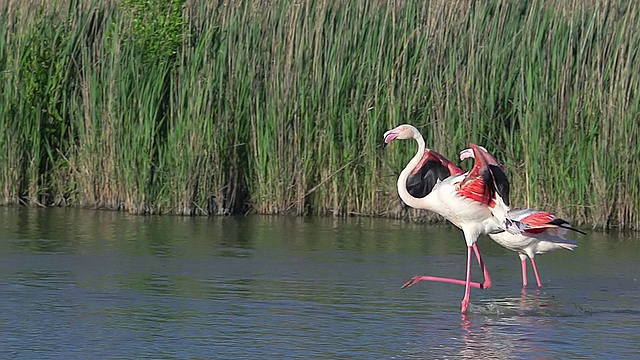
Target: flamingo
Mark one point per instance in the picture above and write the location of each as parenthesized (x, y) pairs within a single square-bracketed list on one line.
[(432, 168), (545, 232), (476, 201)]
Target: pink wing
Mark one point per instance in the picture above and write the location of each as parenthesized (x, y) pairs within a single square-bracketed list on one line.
[(430, 155), (486, 180), (431, 169), (540, 221)]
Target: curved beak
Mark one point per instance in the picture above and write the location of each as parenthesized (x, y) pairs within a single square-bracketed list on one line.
[(389, 136)]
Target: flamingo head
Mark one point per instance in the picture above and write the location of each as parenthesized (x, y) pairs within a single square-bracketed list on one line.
[(469, 154), (466, 154), (401, 132)]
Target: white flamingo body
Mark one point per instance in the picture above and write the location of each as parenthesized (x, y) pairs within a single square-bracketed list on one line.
[(468, 215), (472, 217), (532, 245), (529, 244)]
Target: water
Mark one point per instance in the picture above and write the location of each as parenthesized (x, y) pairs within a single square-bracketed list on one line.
[(79, 284)]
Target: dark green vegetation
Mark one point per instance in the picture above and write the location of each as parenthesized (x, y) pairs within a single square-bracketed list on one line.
[(279, 106)]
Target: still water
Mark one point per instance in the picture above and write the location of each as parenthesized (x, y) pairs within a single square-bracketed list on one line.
[(80, 284)]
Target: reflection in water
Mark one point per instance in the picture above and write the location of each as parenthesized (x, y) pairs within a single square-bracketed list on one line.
[(491, 339)]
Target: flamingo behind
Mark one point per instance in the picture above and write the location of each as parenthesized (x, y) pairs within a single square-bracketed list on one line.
[(544, 232), (476, 201)]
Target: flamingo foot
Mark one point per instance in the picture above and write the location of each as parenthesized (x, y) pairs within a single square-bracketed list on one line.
[(465, 306), (416, 279)]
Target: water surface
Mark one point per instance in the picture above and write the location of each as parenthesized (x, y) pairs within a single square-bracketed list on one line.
[(94, 284)]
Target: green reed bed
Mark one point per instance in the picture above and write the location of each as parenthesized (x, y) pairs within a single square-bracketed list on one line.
[(190, 108)]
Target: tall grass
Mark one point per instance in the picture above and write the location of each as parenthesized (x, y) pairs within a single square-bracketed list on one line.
[(187, 107)]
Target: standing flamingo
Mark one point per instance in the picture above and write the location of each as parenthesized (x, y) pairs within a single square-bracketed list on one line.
[(431, 169), (544, 232), (476, 201)]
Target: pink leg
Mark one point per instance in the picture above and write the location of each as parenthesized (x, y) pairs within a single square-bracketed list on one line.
[(487, 280), (416, 279), (535, 271), (467, 288), (523, 262), (485, 272)]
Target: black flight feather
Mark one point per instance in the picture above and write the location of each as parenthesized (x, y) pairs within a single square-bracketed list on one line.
[(420, 184), (564, 224), (495, 180)]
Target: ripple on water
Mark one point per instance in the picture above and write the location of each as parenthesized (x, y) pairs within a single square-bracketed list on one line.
[(532, 305)]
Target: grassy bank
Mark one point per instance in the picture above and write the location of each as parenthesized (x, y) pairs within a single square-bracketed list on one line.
[(279, 106)]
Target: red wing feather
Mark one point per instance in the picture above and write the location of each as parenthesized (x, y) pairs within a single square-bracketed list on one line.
[(538, 218), (475, 189), (538, 222)]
